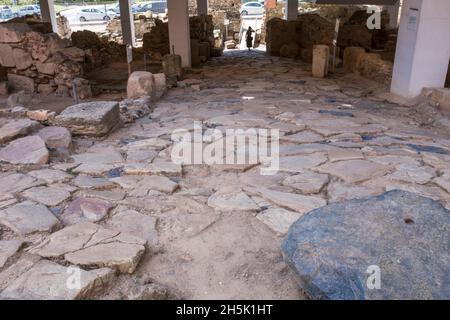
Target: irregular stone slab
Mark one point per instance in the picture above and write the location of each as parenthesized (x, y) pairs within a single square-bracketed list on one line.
[(292, 201), (13, 32), (158, 183), (91, 118), (135, 223), (405, 235), (51, 176), (28, 217), (47, 280), (413, 174), (87, 182), (108, 195), (303, 137), (22, 265), (7, 249), (6, 200), (341, 191), (100, 156), (48, 196), (300, 163), (21, 83), (141, 83), (141, 155), (88, 244), (85, 209), (443, 181), (344, 154), (354, 170), (28, 150), (158, 168), (307, 182), (11, 129), (56, 137), (17, 182), (232, 201), (6, 56), (278, 219), (95, 169), (23, 59)]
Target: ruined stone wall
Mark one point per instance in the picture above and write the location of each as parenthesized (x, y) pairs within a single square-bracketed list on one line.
[(39, 61), (143, 23), (276, 10), (99, 50), (221, 10), (354, 32), (156, 42), (306, 31)]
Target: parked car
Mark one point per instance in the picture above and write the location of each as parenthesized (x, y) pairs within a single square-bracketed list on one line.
[(154, 7), (93, 14), (30, 9), (134, 8), (252, 8), (6, 13)]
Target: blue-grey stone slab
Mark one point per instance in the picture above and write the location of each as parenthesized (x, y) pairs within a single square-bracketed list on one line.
[(406, 235)]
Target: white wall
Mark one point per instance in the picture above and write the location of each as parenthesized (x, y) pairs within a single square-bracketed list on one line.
[(423, 49)]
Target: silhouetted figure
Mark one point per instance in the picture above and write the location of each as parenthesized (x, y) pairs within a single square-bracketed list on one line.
[(249, 38)]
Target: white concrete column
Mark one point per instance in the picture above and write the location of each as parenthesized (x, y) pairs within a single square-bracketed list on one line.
[(291, 10), (423, 47), (179, 35), (48, 13), (202, 7), (393, 12), (127, 22)]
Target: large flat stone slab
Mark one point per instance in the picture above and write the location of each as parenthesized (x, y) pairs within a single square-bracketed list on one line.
[(28, 217), (49, 196), (11, 129), (7, 249), (84, 209), (47, 280), (28, 150), (88, 244), (90, 118), (352, 171), (403, 234), (16, 182), (291, 201), (232, 201)]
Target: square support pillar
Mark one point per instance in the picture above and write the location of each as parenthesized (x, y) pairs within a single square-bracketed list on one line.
[(202, 7), (179, 33), (291, 10), (127, 22), (423, 47), (48, 13), (393, 12)]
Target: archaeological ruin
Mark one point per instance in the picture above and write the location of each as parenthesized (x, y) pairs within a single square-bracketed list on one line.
[(225, 149)]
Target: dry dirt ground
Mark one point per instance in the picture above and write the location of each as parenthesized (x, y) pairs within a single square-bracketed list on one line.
[(213, 237)]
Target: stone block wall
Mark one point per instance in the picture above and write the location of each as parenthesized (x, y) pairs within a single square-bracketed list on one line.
[(221, 10), (308, 30), (37, 61), (156, 42)]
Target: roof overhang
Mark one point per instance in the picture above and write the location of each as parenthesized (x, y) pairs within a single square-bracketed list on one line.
[(372, 2)]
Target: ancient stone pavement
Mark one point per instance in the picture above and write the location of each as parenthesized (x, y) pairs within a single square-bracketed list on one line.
[(141, 226)]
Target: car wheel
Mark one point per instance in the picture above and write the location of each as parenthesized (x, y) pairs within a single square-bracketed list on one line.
[(82, 19), (244, 13), (106, 18)]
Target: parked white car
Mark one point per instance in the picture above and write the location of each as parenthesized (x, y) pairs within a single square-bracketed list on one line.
[(251, 8), (5, 13), (94, 14), (26, 10)]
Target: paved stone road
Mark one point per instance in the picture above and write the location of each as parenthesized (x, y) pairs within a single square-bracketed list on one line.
[(144, 227)]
